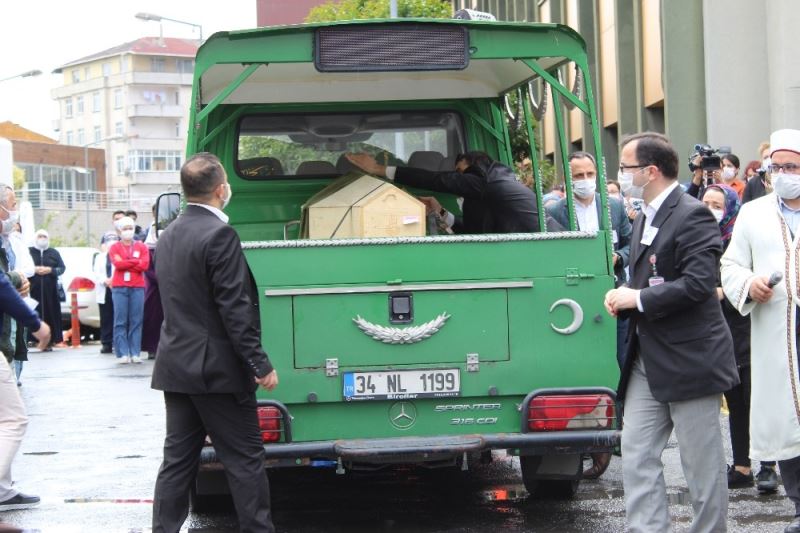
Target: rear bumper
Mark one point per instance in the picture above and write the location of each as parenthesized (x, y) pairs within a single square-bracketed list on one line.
[(397, 449)]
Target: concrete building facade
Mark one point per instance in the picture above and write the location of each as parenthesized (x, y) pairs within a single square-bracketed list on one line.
[(721, 72), (133, 101)]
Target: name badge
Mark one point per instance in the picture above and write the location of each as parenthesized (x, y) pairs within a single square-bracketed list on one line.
[(654, 280), (126, 276), (614, 237), (648, 235), (136, 254)]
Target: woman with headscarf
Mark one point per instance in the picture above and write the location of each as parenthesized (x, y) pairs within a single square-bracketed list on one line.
[(724, 203), (48, 266), (130, 259)]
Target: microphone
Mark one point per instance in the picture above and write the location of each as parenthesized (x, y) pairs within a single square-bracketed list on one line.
[(774, 278)]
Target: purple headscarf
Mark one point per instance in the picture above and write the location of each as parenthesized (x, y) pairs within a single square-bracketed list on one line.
[(732, 205)]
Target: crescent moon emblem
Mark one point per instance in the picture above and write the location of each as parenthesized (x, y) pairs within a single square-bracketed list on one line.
[(577, 316)]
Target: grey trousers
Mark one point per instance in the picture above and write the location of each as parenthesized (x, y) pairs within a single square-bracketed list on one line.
[(647, 425), (13, 422)]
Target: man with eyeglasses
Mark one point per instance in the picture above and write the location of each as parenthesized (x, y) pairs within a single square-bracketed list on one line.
[(764, 247), (680, 353)]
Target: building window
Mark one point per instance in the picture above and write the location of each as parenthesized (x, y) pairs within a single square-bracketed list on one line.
[(154, 160), (96, 101), (106, 69), (155, 97), (157, 64), (120, 164), (70, 138), (76, 76), (117, 98), (86, 73), (81, 137), (79, 104), (118, 128), (98, 134), (68, 107), (123, 64), (177, 129), (177, 98), (186, 66)]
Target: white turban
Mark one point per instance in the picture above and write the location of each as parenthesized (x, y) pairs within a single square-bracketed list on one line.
[(124, 221), (785, 140), (43, 233)]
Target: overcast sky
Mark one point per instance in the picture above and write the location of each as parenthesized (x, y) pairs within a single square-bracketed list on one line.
[(45, 34)]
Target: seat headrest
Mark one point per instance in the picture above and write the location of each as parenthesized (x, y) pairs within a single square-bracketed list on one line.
[(315, 167), (427, 160), (259, 167)]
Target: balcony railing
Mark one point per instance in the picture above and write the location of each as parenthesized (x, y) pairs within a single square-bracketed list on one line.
[(156, 110), (60, 199)]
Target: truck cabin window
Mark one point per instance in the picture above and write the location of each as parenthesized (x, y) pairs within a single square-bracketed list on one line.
[(282, 146)]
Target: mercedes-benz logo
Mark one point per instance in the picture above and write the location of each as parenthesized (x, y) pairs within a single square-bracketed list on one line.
[(402, 415)]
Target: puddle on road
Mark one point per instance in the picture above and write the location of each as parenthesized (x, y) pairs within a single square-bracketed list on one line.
[(129, 457), (39, 453)]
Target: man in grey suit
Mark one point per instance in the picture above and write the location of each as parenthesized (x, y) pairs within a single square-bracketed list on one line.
[(210, 359), (680, 354)]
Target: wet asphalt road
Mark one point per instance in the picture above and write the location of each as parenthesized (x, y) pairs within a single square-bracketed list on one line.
[(93, 449)]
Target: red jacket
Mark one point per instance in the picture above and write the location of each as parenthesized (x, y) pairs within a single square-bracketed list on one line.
[(132, 260)]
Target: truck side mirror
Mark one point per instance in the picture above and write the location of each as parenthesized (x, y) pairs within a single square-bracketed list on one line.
[(168, 207)]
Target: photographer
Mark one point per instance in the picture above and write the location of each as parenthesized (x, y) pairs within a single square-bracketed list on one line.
[(706, 169), (757, 185)]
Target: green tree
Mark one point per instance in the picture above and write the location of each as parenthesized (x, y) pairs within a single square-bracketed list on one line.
[(19, 179), (378, 9)]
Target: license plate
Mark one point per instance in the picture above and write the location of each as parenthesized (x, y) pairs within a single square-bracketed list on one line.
[(402, 384)]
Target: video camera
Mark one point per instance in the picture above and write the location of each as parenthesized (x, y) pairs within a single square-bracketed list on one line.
[(710, 158)]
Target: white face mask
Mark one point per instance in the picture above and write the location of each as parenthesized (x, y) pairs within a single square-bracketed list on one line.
[(584, 189), (126, 234), (227, 199), (728, 173), (718, 214), (42, 243), (8, 224), (632, 191), (787, 186)]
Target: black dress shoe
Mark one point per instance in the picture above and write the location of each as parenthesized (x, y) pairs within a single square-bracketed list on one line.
[(737, 480), (794, 527)]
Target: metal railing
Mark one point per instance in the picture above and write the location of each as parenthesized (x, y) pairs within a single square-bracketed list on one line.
[(43, 198)]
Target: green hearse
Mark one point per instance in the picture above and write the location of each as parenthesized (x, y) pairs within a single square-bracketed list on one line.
[(432, 349)]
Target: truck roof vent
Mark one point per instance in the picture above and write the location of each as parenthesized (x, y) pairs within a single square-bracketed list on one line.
[(396, 47)]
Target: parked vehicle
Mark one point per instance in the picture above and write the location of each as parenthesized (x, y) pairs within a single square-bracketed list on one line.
[(78, 278), (422, 350)]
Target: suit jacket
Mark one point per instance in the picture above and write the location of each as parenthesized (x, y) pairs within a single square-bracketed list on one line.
[(681, 336), (620, 224), (494, 201), (211, 335)]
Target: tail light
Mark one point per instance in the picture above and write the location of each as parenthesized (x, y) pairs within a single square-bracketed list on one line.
[(269, 422), (79, 284), (557, 413)]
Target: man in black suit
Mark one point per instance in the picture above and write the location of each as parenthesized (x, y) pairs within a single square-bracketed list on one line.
[(680, 354), (210, 359), (494, 200)]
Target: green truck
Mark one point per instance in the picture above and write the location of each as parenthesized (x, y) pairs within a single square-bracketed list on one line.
[(431, 349)]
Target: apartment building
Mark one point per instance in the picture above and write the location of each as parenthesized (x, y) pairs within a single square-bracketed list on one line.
[(133, 101)]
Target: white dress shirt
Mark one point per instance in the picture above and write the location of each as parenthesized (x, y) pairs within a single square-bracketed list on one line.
[(586, 215), (220, 215)]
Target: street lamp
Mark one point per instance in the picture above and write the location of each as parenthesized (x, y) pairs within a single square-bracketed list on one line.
[(159, 18), (27, 74), (87, 173)]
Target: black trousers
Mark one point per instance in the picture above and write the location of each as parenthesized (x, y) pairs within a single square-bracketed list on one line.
[(738, 399), (107, 320), (231, 422), (790, 474)]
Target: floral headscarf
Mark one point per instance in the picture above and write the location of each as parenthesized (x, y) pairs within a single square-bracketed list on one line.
[(732, 205)]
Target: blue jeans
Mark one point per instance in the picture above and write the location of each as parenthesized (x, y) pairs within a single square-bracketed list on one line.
[(128, 315)]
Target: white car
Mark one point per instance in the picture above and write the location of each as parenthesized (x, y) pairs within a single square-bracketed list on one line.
[(78, 278)]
